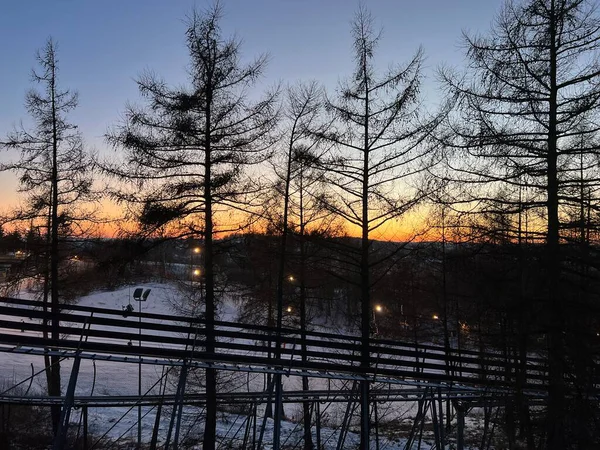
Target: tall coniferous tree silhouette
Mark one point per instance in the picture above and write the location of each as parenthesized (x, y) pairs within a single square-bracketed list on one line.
[(377, 140), (187, 149), (526, 120), (55, 174)]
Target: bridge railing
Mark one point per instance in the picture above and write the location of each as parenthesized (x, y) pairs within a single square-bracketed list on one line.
[(170, 337)]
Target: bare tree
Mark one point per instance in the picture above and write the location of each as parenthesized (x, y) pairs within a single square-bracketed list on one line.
[(530, 86), (301, 113), (377, 140), (55, 174), (188, 148)]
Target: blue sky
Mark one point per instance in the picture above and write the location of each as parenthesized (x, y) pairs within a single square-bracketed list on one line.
[(105, 44)]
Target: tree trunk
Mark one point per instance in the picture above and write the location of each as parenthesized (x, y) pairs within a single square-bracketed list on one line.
[(211, 375), (54, 386), (556, 391), (308, 443), (364, 280)]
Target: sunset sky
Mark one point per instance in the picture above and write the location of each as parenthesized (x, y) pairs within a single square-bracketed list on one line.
[(104, 45)]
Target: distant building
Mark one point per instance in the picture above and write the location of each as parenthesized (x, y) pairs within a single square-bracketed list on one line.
[(7, 262)]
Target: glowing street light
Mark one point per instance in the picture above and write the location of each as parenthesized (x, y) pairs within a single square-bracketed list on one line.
[(435, 317), (291, 278), (197, 250), (376, 309), (197, 272), (289, 309)]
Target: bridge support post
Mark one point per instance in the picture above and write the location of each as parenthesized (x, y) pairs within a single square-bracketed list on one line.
[(254, 424), (154, 440), (177, 408), (278, 416), (85, 427), (365, 419), (248, 425), (318, 423), (376, 424), (460, 426), (441, 419), (181, 393), (270, 389), (63, 426), (434, 421)]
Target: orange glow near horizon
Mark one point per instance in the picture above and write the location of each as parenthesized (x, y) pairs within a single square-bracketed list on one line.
[(114, 221), (113, 224)]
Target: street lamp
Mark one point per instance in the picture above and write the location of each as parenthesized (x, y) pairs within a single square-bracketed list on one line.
[(140, 295), (377, 309)]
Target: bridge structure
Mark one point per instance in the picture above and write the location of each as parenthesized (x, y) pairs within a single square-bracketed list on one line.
[(442, 385)]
